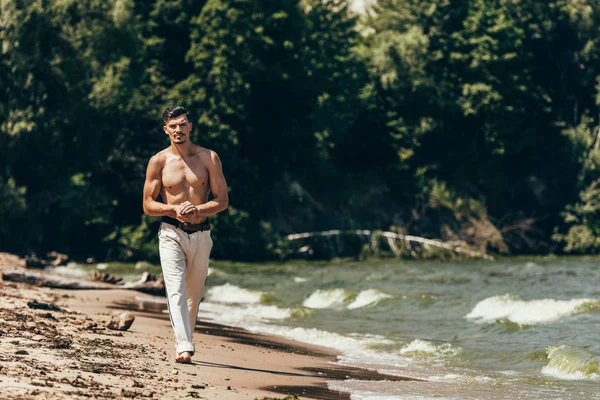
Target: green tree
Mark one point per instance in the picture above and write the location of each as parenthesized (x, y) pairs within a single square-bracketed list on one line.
[(275, 84), (492, 83)]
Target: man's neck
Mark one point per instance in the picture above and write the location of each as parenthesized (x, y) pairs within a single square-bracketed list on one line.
[(184, 149)]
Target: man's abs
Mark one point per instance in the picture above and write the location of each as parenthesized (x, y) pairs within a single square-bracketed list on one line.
[(178, 194)]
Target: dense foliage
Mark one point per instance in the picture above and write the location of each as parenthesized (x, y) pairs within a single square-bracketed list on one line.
[(463, 120)]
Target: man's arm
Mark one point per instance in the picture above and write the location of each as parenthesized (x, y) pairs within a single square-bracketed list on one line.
[(152, 187), (218, 187)]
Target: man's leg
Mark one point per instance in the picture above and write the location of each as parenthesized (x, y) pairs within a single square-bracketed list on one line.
[(173, 263), (196, 272)]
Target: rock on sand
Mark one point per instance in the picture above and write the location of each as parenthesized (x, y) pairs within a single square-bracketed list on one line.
[(120, 321)]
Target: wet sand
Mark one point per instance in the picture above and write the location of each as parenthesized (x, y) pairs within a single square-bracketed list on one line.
[(69, 354)]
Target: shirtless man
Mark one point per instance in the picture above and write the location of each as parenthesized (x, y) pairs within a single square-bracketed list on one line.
[(183, 174)]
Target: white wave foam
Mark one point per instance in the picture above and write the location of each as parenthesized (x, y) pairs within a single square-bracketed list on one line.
[(252, 318), (101, 266), (367, 297), (326, 298), (381, 390), (446, 378), (525, 312), (419, 346), (568, 376), (423, 346), (384, 363), (346, 344), (299, 279), (461, 378), (371, 396), (231, 294), (242, 314)]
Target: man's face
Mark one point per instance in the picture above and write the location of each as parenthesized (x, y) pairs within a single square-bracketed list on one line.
[(178, 129)]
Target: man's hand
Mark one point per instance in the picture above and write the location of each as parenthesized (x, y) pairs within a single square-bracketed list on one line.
[(187, 208), (187, 212)]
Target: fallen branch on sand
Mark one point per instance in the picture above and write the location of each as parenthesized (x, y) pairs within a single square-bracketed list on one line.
[(44, 306), (391, 238), (59, 282)]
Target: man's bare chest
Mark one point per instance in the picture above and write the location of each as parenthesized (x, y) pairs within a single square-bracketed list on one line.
[(178, 175)]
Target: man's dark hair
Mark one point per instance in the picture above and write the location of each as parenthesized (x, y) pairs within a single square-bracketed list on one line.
[(174, 112)]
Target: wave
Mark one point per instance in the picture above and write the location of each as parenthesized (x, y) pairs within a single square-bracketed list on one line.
[(231, 294), (456, 378), (528, 312), (346, 344), (336, 298), (326, 299), (468, 388), (355, 349), (367, 297), (363, 390), (229, 314), (571, 363), (419, 346)]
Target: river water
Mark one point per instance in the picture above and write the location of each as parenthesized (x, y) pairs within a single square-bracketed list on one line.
[(519, 328)]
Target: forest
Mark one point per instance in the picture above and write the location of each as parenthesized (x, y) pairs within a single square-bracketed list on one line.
[(469, 121)]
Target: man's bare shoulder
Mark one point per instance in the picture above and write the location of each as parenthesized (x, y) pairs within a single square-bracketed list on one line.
[(206, 155), (161, 156), (159, 159)]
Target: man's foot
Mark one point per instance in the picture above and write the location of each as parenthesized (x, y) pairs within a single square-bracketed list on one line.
[(184, 358)]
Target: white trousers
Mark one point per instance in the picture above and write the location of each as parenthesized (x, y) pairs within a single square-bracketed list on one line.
[(184, 262)]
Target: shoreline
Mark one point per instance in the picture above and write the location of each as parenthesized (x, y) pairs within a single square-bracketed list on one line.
[(69, 354)]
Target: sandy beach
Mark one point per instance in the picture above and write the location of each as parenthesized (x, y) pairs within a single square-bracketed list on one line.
[(67, 353)]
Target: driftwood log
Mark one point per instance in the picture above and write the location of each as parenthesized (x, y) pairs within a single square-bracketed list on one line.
[(392, 237), (60, 282)]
